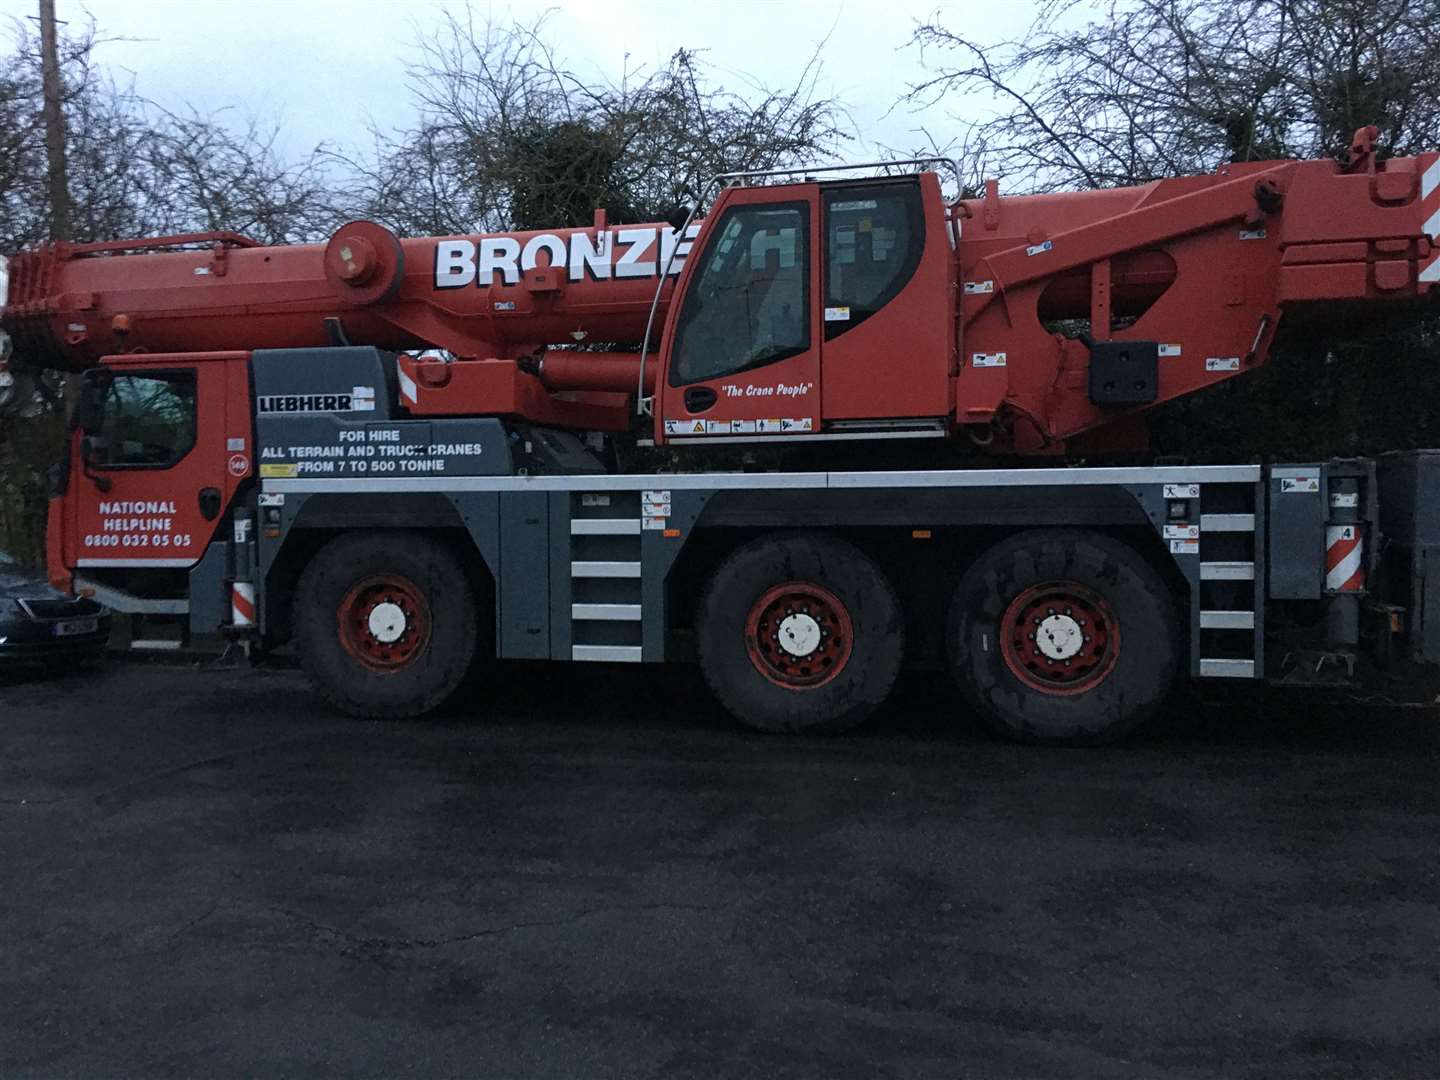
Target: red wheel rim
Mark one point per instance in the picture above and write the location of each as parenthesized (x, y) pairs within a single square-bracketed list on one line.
[(384, 622), (1060, 638), (799, 635)]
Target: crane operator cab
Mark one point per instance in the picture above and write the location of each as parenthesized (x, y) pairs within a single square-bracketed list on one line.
[(811, 309)]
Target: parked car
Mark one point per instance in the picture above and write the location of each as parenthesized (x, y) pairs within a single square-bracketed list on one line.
[(40, 624)]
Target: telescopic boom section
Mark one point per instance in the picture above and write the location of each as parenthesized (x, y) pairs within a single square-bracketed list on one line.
[(494, 299)]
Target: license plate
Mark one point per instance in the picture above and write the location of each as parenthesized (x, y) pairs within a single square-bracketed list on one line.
[(73, 627)]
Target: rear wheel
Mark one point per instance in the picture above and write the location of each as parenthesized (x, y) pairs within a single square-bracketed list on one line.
[(1063, 636), (800, 633), (385, 623)]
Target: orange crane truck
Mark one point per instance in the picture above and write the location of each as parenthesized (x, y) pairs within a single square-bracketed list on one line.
[(400, 454)]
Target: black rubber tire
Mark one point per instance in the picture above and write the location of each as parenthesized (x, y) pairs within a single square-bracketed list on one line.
[(1144, 672), (877, 647), (433, 675)]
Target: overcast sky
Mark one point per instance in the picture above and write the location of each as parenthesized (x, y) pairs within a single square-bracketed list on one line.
[(321, 68)]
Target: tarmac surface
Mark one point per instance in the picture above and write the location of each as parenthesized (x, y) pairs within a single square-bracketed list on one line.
[(598, 875)]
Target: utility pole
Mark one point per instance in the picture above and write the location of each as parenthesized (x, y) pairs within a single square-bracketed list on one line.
[(57, 180), (56, 174)]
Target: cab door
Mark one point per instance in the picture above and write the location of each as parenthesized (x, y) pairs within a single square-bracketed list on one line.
[(150, 482), (744, 350), (888, 301)]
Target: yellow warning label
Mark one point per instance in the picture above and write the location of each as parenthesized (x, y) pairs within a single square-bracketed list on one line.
[(279, 472)]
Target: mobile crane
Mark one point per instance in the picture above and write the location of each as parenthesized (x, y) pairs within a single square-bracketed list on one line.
[(399, 453)]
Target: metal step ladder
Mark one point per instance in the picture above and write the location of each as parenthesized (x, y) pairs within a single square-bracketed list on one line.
[(1229, 621), (605, 608)]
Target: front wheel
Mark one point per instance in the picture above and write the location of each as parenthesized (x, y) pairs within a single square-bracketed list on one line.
[(385, 623), (1063, 636), (800, 633)]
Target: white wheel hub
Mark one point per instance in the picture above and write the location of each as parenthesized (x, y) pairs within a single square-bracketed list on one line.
[(1059, 637), (387, 623), (799, 635)]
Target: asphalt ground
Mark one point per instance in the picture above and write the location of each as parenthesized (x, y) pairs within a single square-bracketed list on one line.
[(592, 873)]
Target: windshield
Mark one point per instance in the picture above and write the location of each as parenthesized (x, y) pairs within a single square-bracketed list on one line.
[(750, 302), (149, 420)]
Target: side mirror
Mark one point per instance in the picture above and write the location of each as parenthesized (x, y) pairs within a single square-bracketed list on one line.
[(90, 405), (94, 449)]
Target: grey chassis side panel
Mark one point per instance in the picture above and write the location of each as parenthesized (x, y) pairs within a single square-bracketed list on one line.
[(363, 433), (817, 508), (1409, 518), (1296, 532), (477, 513), (658, 554), (209, 601), (522, 594), (951, 479), (557, 514)]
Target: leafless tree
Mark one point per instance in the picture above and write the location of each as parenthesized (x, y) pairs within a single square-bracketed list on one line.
[(508, 136), (1132, 90), (1127, 91), (136, 169)]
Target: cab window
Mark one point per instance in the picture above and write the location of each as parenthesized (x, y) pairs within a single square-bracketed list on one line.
[(149, 420), (874, 238), (749, 304)]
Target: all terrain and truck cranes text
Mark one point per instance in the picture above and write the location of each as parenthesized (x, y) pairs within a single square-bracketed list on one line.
[(400, 454)]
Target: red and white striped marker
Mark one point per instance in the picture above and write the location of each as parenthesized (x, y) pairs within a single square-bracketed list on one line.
[(1430, 209), (1344, 559), (242, 604)]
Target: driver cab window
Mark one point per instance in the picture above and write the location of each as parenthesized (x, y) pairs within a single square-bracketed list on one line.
[(750, 302), (874, 236), (149, 420)]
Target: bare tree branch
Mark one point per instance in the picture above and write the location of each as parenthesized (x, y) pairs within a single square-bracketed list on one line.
[(1148, 88)]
